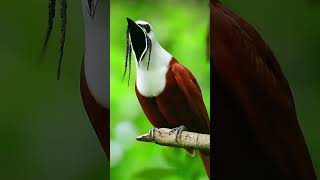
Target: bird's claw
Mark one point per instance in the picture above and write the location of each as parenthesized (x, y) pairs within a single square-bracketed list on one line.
[(179, 130)]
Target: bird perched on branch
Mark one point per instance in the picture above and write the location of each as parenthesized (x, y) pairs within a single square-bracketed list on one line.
[(94, 78), (256, 134), (167, 91)]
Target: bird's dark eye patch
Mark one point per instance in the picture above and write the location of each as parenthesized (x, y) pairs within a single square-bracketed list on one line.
[(145, 27)]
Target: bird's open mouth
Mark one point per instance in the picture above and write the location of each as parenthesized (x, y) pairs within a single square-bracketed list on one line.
[(138, 40)]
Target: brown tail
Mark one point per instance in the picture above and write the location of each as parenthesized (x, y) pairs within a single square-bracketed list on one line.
[(205, 157)]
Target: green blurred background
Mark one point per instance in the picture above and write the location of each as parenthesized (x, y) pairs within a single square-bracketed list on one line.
[(292, 30), (181, 29), (44, 130)]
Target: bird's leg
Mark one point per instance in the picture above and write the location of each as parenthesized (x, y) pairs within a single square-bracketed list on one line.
[(179, 130), (152, 131)]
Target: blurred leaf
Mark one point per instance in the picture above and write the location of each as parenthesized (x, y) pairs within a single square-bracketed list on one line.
[(154, 173)]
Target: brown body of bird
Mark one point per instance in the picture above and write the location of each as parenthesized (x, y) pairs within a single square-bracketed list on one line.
[(256, 134), (97, 114)]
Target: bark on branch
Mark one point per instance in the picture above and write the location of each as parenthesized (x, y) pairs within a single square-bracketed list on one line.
[(188, 139)]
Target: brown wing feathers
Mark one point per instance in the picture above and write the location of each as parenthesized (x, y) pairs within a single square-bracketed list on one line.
[(191, 90), (253, 100)]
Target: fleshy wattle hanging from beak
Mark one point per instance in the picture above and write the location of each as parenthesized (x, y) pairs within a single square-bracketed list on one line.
[(137, 39)]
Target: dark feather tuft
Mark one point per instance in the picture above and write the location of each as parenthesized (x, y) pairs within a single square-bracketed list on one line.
[(149, 45), (128, 56), (63, 16), (51, 14)]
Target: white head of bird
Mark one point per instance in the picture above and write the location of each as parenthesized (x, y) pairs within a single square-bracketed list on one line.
[(152, 61)]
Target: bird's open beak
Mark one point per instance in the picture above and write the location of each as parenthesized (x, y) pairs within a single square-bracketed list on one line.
[(138, 40)]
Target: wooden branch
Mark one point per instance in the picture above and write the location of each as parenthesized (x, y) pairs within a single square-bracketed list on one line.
[(163, 137)]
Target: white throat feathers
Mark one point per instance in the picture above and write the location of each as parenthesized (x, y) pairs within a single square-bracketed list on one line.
[(96, 57), (151, 78)]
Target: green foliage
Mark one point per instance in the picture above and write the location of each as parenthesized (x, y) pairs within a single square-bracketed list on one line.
[(182, 29)]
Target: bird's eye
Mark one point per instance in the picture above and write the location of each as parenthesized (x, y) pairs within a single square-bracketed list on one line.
[(147, 28)]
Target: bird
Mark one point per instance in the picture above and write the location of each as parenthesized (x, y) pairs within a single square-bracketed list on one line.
[(256, 133), (166, 90), (94, 73), (94, 76)]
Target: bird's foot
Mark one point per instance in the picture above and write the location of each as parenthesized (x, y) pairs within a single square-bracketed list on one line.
[(179, 130), (152, 131)]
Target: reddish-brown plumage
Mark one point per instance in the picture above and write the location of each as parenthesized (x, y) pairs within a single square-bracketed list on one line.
[(173, 107), (98, 115), (256, 133), (179, 104)]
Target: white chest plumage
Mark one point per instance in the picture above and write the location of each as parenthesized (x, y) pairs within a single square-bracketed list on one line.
[(151, 82), (96, 60)]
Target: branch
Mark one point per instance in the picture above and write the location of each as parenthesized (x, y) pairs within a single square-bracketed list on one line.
[(188, 139)]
